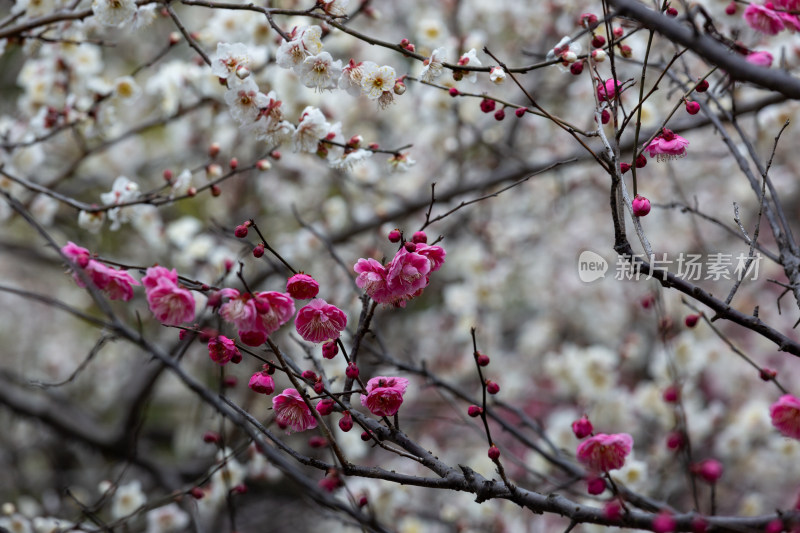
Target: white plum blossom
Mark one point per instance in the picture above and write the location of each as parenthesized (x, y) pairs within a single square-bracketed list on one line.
[(91, 222), (350, 158), (167, 519), (432, 67), (335, 8), (245, 101), (126, 89), (181, 184), (127, 499), (470, 59), (114, 12), (400, 162), (122, 191), (350, 80), (320, 72), (378, 83), (311, 127), (44, 208), (228, 59), (269, 125), (306, 42), (497, 75)]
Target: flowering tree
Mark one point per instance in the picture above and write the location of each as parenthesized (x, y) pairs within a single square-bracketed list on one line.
[(483, 266)]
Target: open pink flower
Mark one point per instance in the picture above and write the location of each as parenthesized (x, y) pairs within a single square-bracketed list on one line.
[(292, 412), (667, 145), (222, 350), (763, 18), (320, 321), (602, 452), (372, 278), (407, 275), (171, 304), (76, 253), (384, 395), (256, 316), (302, 287), (435, 255), (117, 284), (785, 414)]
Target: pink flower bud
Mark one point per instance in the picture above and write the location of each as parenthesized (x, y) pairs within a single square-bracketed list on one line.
[(240, 231), (709, 470), (319, 386), (221, 349), (671, 394), (346, 422), (702, 86), (492, 387), (730, 9), (211, 437), (197, 493), (330, 349), (419, 237), (351, 371), (258, 250), (767, 374), (365, 436), (672, 12), (213, 150), (587, 19), (576, 68), (664, 523), (598, 41), (487, 106), (494, 453), (262, 383), (613, 510), (641, 206), (692, 107), (624, 167), (595, 486), (167, 175), (582, 427), (395, 235), (775, 526), (325, 406), (474, 411), (309, 375), (641, 161), (699, 525), (318, 441), (618, 32), (302, 287), (482, 359), (675, 440), (520, 111), (499, 115), (233, 163), (453, 92), (605, 118), (691, 320)]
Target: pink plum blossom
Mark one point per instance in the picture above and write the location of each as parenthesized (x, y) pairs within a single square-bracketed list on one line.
[(372, 278), (292, 412), (785, 415), (320, 321), (407, 275), (384, 395), (258, 315), (763, 18), (117, 284), (171, 304), (667, 145), (222, 350), (302, 287), (76, 253), (602, 452)]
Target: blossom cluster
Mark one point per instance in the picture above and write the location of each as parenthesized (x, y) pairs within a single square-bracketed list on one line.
[(404, 277)]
